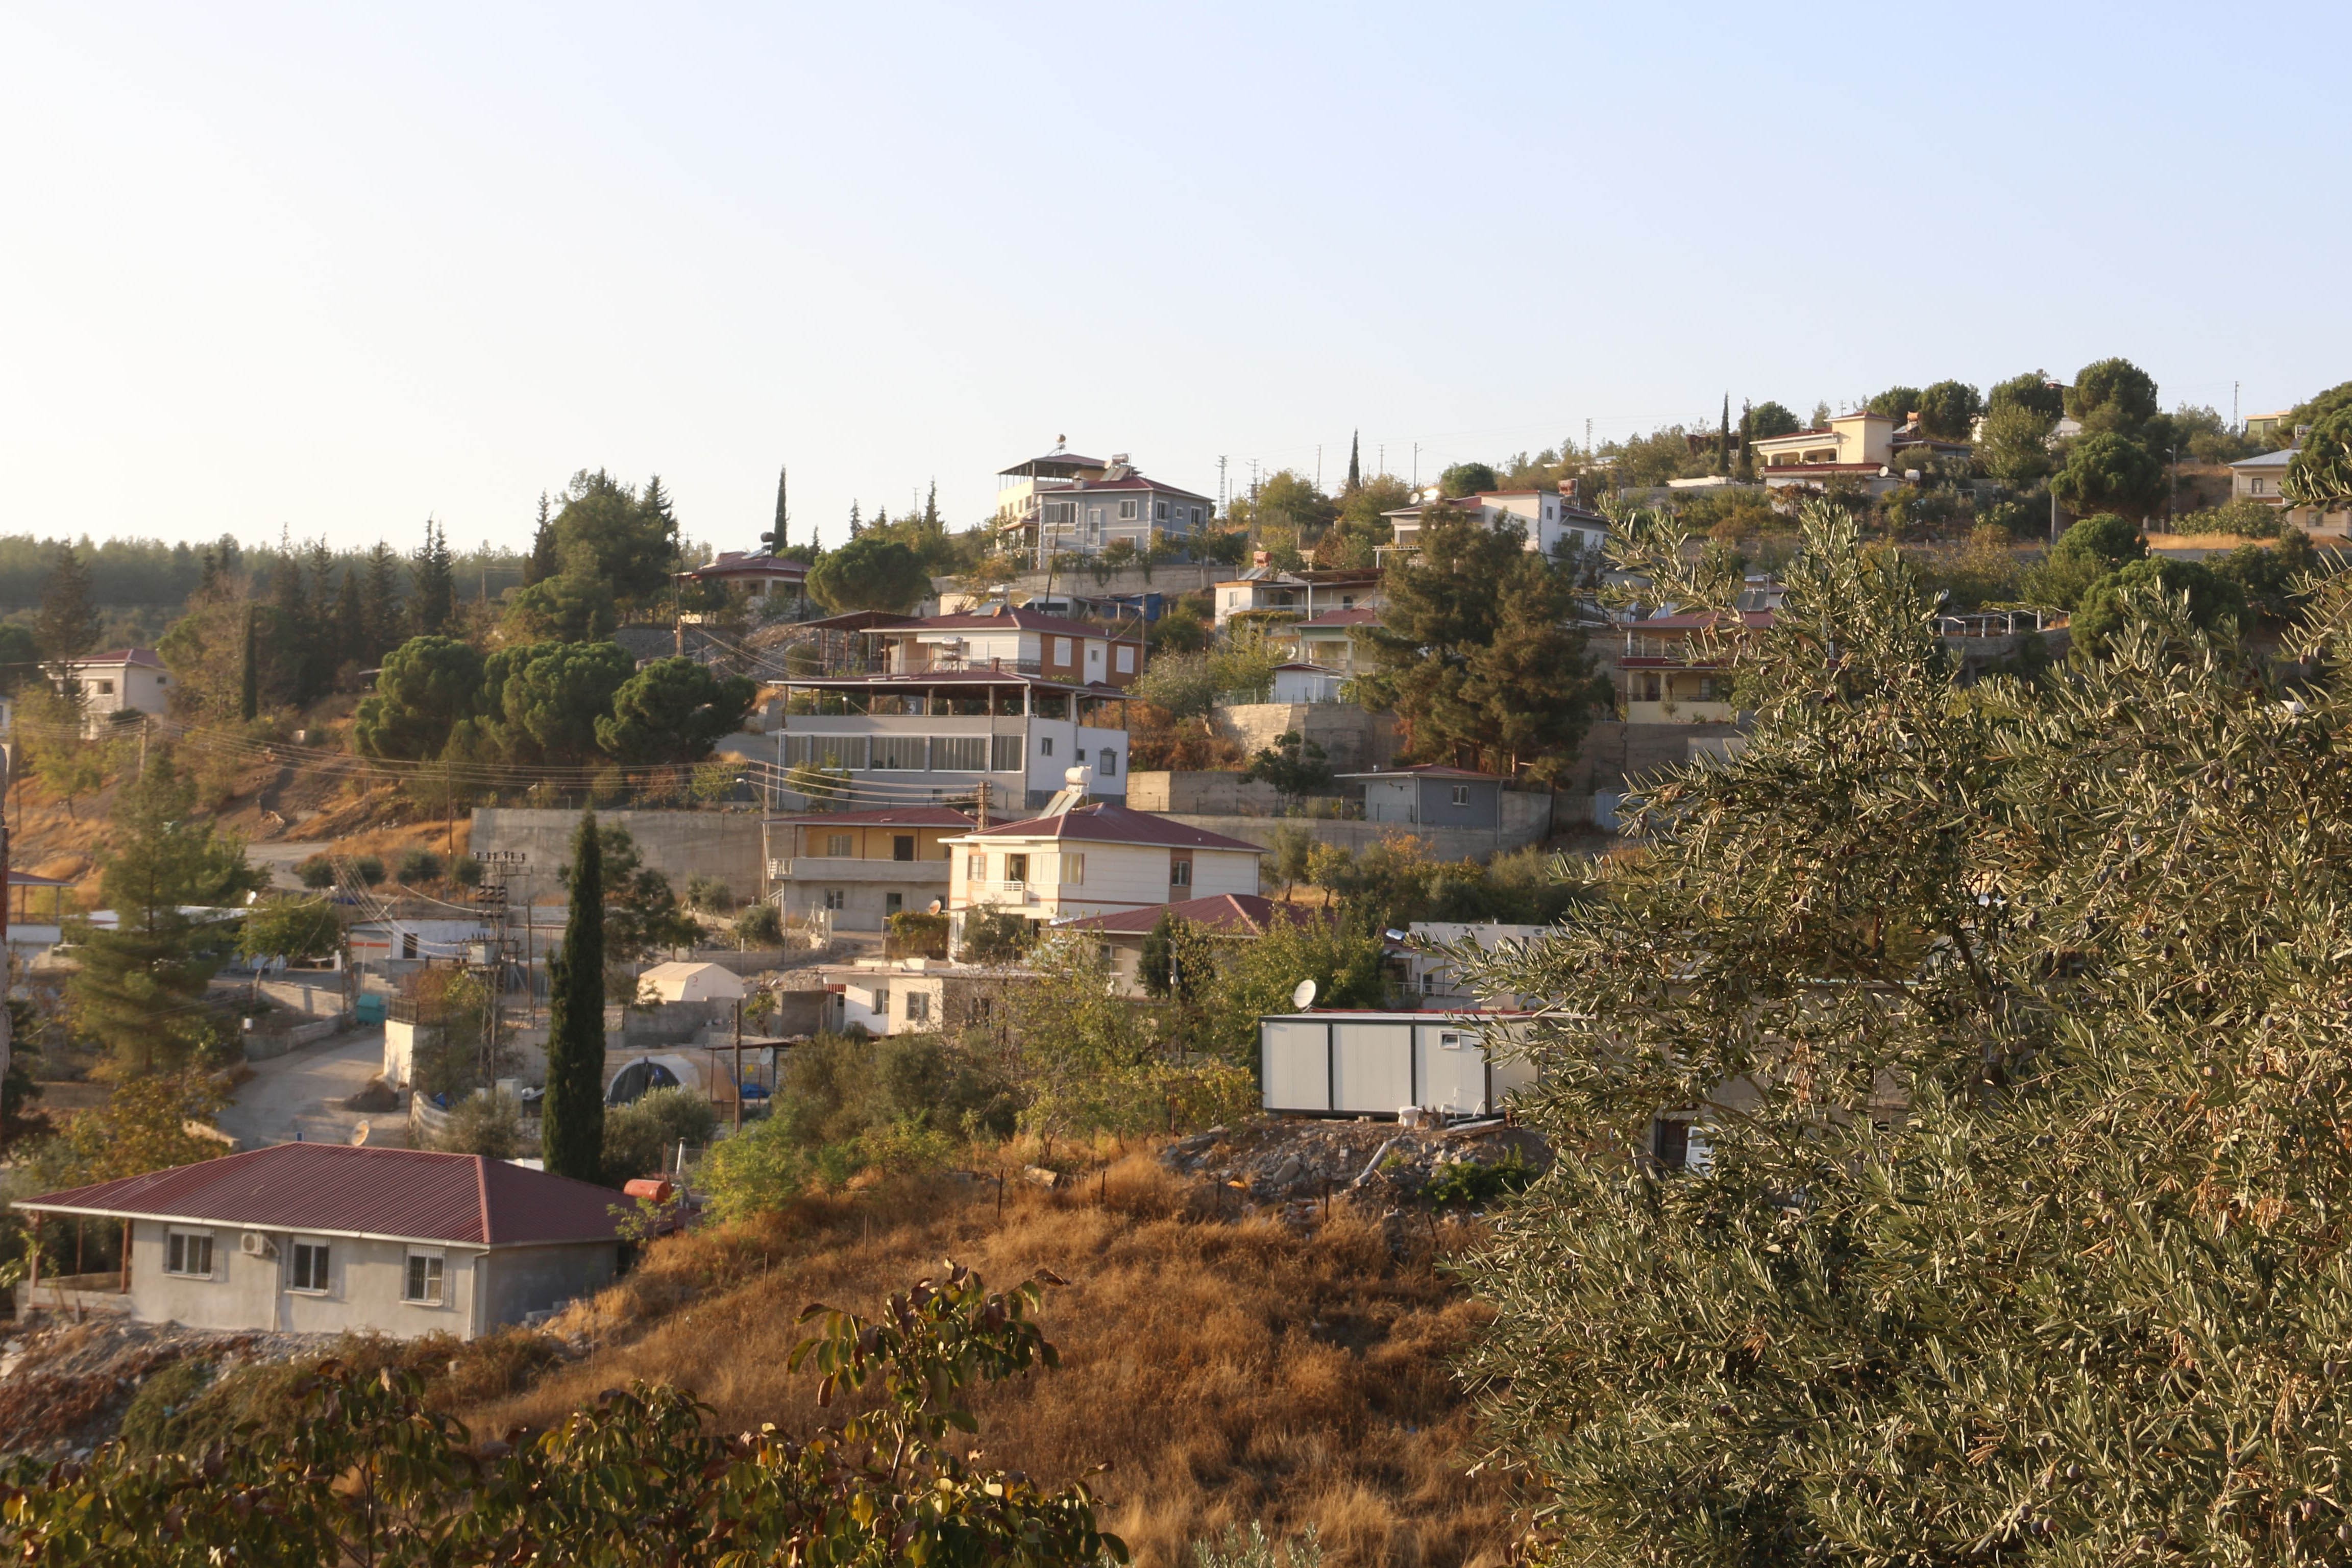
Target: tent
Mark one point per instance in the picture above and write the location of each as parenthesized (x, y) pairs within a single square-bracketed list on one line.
[(693, 983)]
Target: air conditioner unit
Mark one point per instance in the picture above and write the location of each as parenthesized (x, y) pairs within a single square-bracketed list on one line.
[(253, 1243)]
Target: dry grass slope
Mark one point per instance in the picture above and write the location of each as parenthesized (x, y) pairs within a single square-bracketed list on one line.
[(1227, 1371)]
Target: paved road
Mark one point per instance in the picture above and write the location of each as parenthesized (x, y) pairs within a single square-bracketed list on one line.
[(299, 1093), (282, 857)]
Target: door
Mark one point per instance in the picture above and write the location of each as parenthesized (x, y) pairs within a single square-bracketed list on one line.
[(1094, 661), (902, 847)]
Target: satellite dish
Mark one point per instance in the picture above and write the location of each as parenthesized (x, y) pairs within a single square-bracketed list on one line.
[(360, 1135), (1302, 995)]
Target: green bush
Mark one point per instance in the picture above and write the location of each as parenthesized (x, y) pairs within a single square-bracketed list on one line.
[(708, 894), (642, 1137), (1466, 1184), (317, 873), (488, 1124), (759, 926), (368, 869), (419, 866)]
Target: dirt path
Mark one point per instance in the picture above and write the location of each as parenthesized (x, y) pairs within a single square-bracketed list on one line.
[(298, 1095)]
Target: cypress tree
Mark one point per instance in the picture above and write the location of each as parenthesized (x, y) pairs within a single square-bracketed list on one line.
[(1355, 461), (1723, 440), (573, 1135), (540, 564), (249, 702), (776, 541), (436, 584), (385, 618)]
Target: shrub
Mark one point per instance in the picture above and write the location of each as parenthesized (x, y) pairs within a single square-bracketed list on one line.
[(641, 1137), (485, 1123), (995, 937), (1257, 1550), (368, 869), (419, 866), (317, 873), (467, 873), (759, 926), (1466, 1184), (708, 894)]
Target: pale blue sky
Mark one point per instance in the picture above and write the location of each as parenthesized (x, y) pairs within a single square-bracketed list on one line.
[(339, 267)]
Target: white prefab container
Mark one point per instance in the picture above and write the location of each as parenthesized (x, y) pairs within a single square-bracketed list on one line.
[(1375, 1063)]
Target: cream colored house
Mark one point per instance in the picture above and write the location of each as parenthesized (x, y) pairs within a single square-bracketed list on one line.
[(1552, 522), (1091, 859), (2258, 479), (131, 680)]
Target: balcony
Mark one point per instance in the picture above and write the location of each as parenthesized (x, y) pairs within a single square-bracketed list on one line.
[(857, 869), (986, 892)]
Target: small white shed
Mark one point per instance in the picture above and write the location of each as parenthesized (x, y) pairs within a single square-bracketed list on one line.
[(1346, 1063), (694, 982)]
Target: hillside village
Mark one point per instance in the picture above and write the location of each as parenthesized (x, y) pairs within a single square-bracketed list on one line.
[(1180, 887)]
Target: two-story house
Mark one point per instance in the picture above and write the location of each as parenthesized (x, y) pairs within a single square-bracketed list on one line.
[(774, 584), (2258, 479), (1870, 449), (1554, 523), (1001, 638), (1062, 503), (861, 866), (1081, 860), (1266, 593), (1670, 672)]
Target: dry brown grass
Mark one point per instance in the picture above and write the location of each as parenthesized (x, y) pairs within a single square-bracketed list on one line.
[(1227, 1371)]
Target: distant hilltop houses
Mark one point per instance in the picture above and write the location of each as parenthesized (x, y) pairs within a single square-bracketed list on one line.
[(1063, 503)]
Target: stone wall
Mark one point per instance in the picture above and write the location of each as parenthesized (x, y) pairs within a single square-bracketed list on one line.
[(678, 843), (1210, 793), (1353, 739)]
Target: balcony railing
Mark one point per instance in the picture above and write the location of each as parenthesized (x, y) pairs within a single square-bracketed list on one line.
[(1001, 892)]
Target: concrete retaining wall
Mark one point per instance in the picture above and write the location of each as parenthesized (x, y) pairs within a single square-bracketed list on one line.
[(1213, 794), (1352, 737), (678, 843)]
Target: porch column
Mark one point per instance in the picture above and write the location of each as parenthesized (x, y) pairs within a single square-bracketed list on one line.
[(126, 1258)]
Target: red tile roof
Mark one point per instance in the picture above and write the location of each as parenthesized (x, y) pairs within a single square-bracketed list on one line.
[(332, 1189), (1132, 482), (1104, 823), (145, 656), (736, 563), (1223, 912), (890, 817)]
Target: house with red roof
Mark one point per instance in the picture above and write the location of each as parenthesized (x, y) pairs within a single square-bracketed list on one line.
[(1431, 795), (325, 1238), (1232, 916), (1675, 669), (1554, 523), (1063, 504), (774, 584), (1092, 859)]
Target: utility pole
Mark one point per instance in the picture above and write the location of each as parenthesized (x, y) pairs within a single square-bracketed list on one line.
[(2234, 425), (1587, 440), (1318, 467), (1224, 496), (1416, 465)]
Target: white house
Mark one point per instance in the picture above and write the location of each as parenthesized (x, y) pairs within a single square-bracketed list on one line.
[(771, 581), (129, 680), (860, 867), (1307, 683), (2258, 479), (1552, 522), (327, 1238), (1063, 503), (1091, 859), (1264, 590), (917, 996), (1001, 638)]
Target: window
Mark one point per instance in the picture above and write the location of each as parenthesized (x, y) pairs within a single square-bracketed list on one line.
[(1061, 650), (1159, 512), (422, 1284), (1125, 659), (1196, 514), (894, 903), (901, 752), (918, 1006), (1107, 763), (1004, 754), (1094, 521), (1127, 512), (958, 753), (1461, 795), (1179, 869), (310, 1265), (106, 688), (189, 1252), (1016, 867), (1081, 753), (902, 847), (836, 898), (2258, 486), (841, 846), (1234, 599), (975, 867), (1074, 870), (1045, 746)]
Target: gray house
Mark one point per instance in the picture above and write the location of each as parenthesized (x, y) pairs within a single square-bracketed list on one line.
[(322, 1238), (1431, 796)]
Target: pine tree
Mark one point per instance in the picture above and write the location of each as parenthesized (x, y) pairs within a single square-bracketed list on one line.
[(1355, 461), (659, 512), (436, 578), (856, 527), (779, 540), (68, 625), (386, 624), (931, 523), (290, 637), (541, 564), (572, 1133), (1744, 470), (249, 702), (350, 621)]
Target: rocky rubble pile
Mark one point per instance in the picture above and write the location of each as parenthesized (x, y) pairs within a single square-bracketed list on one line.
[(65, 1385), (1299, 1160)]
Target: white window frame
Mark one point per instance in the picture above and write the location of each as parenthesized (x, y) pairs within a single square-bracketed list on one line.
[(1045, 746), (975, 866), (294, 1262), (1107, 763), (918, 1006), (1159, 512), (1063, 652), (1461, 795), (437, 1268), (1180, 871), (1127, 512), (840, 845), (177, 1234), (1125, 659), (836, 899), (1074, 870)]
